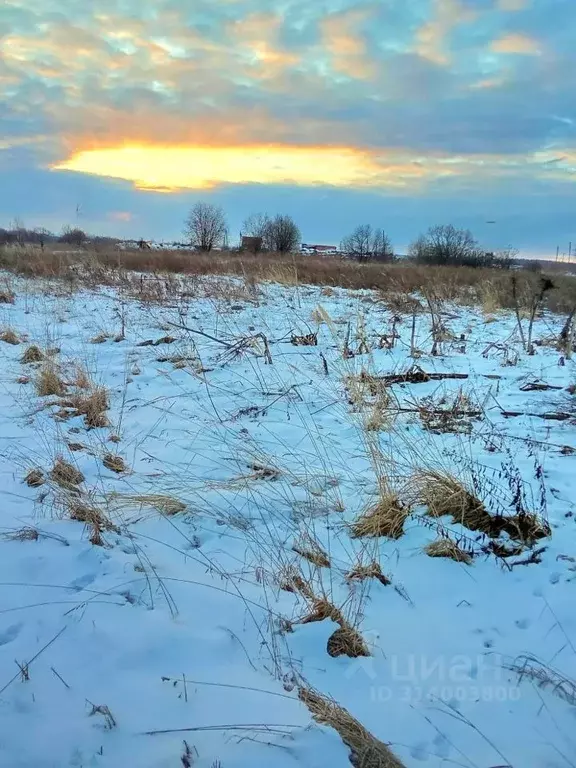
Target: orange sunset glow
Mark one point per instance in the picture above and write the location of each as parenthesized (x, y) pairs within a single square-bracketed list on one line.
[(176, 168)]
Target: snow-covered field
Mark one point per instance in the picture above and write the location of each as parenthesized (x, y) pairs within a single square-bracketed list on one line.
[(158, 629)]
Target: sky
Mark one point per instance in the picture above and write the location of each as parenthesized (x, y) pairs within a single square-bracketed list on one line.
[(119, 115)]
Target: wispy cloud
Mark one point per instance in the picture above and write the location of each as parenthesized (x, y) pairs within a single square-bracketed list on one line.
[(346, 47), (433, 37), (516, 43), (512, 5)]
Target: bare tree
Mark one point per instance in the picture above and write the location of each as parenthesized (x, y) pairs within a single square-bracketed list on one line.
[(18, 229), (256, 225), (282, 235), (366, 243), (256, 228), (206, 227), (381, 246), (447, 245), (357, 244)]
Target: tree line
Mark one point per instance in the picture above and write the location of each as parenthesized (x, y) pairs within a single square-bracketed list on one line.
[(206, 228), (19, 234)]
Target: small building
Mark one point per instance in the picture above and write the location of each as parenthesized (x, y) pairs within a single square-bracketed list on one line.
[(252, 244)]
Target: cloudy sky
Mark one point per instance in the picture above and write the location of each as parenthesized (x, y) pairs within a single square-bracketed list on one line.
[(398, 113)]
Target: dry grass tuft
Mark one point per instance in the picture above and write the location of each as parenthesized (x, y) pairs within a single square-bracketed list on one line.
[(444, 547), (403, 304), (94, 519), (544, 676), (347, 641), (90, 515), (526, 527), (32, 355), (94, 406), (445, 495), (114, 463), (35, 478), (386, 518), (96, 538), (65, 474), (489, 300), (166, 505), (91, 404), (309, 549), (22, 534), (377, 420), (9, 336), (76, 447), (323, 609), (263, 472), (363, 385), (449, 415), (100, 339), (81, 378), (48, 382), (290, 579), (7, 296), (366, 751), (308, 340), (370, 571), (368, 394)]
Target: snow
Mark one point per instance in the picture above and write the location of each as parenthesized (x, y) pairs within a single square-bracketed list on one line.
[(177, 622)]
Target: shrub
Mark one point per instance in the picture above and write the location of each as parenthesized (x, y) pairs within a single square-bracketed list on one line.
[(73, 236), (448, 246)]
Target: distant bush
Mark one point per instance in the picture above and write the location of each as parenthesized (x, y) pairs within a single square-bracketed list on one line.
[(445, 245), (73, 236)]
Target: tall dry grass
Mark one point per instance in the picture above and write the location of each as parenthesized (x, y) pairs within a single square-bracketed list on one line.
[(489, 287)]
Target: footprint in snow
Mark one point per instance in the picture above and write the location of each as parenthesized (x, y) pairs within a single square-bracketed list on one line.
[(554, 578), (10, 634), (420, 751), (522, 623), (441, 746), (82, 581)]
